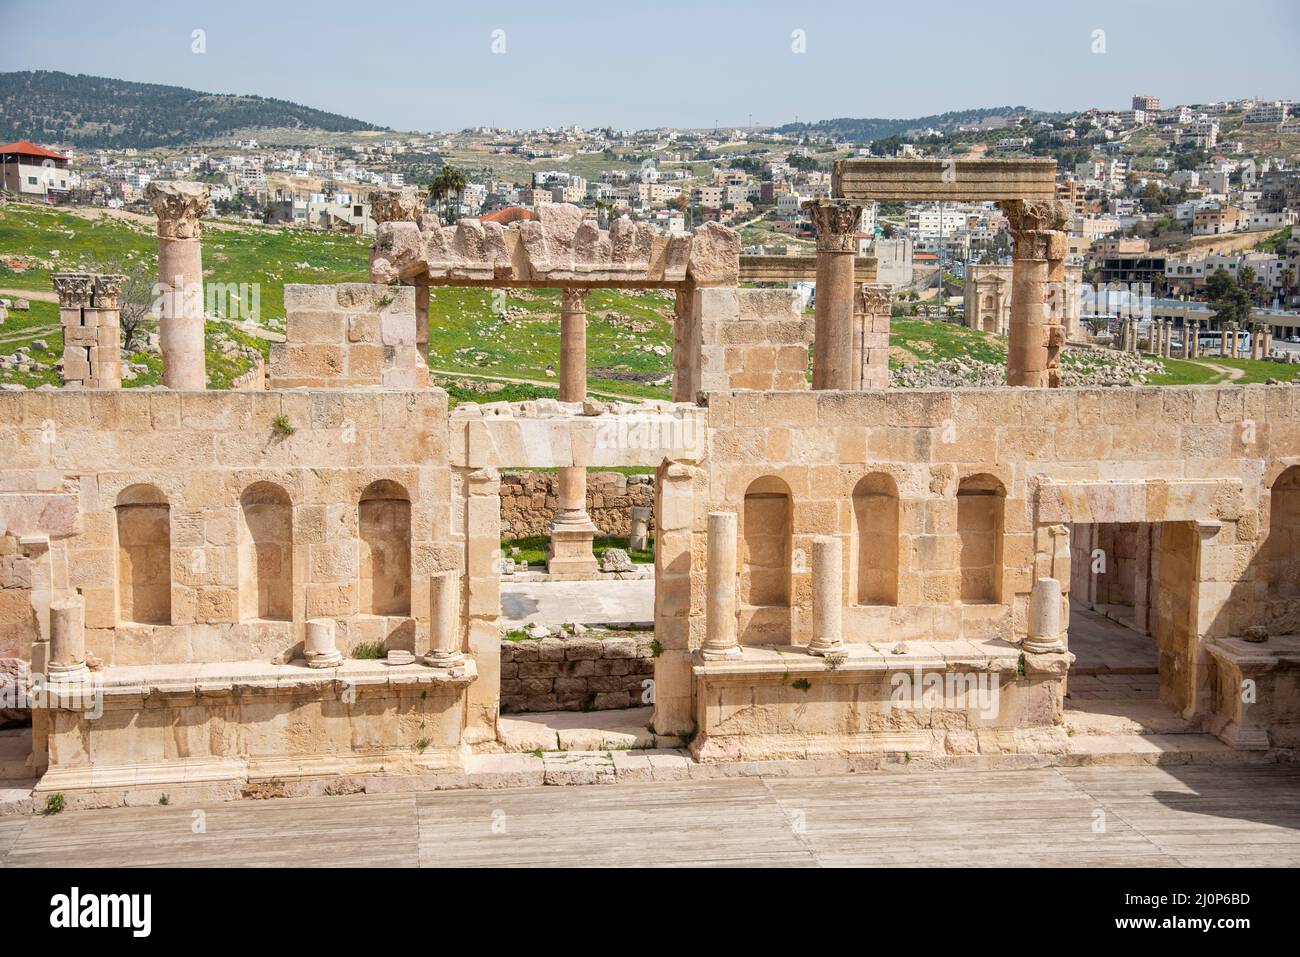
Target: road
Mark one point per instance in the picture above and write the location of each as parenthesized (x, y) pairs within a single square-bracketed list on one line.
[(1079, 817)]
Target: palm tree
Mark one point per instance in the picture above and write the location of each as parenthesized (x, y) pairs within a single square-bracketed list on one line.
[(449, 181)]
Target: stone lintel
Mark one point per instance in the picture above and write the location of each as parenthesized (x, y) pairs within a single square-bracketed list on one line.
[(798, 269), (949, 180)]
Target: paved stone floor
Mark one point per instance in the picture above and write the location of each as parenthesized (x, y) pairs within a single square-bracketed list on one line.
[(556, 603), (1096, 816), (1102, 645)]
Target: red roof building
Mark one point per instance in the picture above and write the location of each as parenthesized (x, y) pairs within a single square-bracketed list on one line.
[(31, 171)]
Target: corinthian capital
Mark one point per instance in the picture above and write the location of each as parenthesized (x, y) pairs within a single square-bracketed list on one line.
[(178, 207), (837, 222), (1025, 216), (573, 299), (74, 288)]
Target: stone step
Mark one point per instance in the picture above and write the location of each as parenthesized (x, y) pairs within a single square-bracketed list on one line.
[(1157, 749), (620, 730)]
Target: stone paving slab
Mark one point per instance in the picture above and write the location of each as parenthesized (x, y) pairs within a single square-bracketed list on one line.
[(585, 602), (1178, 816)]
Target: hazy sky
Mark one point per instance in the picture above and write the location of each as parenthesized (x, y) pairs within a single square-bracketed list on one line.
[(432, 65)]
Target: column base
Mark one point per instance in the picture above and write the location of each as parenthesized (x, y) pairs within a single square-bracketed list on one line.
[(443, 659), (1042, 646), (828, 650), (570, 552), (721, 654), (331, 659)]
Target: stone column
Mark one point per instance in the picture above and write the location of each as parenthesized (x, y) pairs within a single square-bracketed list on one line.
[(1223, 339), (1037, 291), (444, 620), (837, 223), (320, 649), (871, 337), (720, 610), (1168, 338), (180, 274), (638, 539), (828, 597), (572, 530), (67, 637), (1157, 330), (686, 351), (89, 314), (1044, 618)]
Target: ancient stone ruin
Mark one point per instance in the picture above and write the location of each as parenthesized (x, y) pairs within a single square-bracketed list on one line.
[(199, 589)]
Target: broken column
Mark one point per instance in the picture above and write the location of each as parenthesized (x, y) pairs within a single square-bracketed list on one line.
[(720, 609), (828, 597), (638, 539), (572, 530), (444, 620), (89, 314), (837, 223), (319, 648), (1044, 618), (180, 275), (871, 337), (67, 637), (1038, 291)]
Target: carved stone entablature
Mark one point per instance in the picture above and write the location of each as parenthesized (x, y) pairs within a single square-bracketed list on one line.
[(178, 206), (559, 248), (75, 289), (395, 205), (837, 223)]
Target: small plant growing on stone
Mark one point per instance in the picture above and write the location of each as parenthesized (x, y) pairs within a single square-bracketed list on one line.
[(422, 745), (282, 426), (656, 648), (54, 804), (1020, 665), (369, 651), (516, 634), (803, 684), (164, 799), (536, 752)]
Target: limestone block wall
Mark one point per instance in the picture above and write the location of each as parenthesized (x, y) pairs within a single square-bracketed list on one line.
[(350, 335), (200, 531), (529, 501), (1024, 464), (731, 338), (572, 674)]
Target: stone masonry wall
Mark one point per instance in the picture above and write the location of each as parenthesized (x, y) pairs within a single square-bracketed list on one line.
[(529, 501), (575, 674)]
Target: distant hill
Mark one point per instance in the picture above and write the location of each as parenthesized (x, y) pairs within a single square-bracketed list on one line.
[(877, 128), (92, 111)]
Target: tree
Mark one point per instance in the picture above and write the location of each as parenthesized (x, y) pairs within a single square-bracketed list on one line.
[(1229, 301), (135, 300), (448, 182)]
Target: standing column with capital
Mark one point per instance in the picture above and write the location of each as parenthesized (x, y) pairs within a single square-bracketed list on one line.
[(180, 276), (1037, 291), (572, 530), (837, 223)]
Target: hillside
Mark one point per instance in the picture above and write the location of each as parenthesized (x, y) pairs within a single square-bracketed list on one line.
[(874, 128), (95, 111)]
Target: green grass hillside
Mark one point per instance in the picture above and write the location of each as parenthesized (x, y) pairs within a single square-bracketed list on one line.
[(481, 348)]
